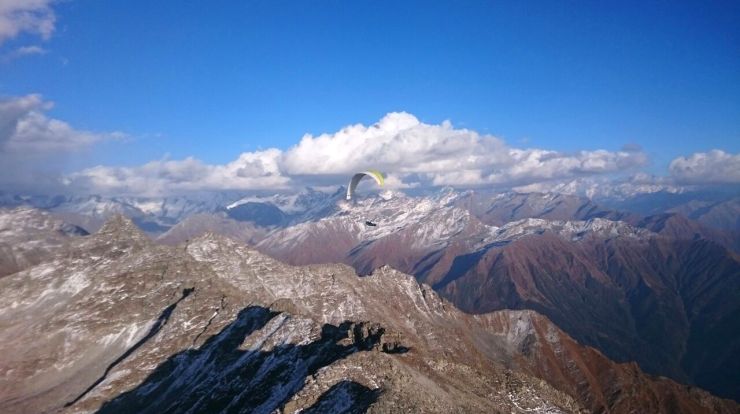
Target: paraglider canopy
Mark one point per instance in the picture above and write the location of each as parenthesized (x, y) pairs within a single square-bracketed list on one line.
[(374, 174)]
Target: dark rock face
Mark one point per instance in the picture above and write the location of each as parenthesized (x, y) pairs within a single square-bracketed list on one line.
[(346, 397), (221, 377), (161, 320)]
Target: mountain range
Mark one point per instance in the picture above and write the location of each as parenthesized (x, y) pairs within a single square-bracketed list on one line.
[(115, 323), (595, 304)]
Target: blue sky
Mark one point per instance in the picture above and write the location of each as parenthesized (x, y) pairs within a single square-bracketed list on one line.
[(186, 79)]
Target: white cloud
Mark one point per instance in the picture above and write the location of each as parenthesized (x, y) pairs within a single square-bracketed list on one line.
[(254, 170), (25, 130), (696, 171), (409, 152), (393, 182), (34, 147), (30, 50), (26, 16), (21, 52), (713, 167), (443, 155), (399, 143)]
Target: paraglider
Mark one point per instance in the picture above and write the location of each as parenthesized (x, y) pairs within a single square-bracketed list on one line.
[(374, 174)]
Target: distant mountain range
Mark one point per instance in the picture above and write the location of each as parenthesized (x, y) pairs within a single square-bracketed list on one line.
[(156, 215)]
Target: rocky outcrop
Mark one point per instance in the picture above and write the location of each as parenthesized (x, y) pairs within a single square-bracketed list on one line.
[(29, 236)]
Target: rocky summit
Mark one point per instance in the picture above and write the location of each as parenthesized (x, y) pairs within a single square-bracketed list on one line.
[(112, 322)]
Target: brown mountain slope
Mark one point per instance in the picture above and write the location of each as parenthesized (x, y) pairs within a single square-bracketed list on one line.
[(678, 226), (672, 305), (547, 352), (199, 224), (723, 214)]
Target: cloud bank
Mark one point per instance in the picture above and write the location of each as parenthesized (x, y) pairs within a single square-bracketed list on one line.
[(713, 167), (410, 152), (34, 17), (32, 144), (251, 171), (25, 130)]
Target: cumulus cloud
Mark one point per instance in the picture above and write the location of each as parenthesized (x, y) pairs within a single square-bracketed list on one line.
[(25, 129), (443, 155), (253, 170), (410, 152), (713, 167), (522, 166), (398, 142), (34, 147), (699, 170), (26, 16)]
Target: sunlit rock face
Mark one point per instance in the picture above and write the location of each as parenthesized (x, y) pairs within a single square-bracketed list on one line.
[(29, 236)]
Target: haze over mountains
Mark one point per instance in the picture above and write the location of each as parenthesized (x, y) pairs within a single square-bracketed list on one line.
[(560, 273)]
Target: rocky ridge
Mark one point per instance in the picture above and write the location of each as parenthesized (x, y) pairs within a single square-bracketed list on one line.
[(29, 236)]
